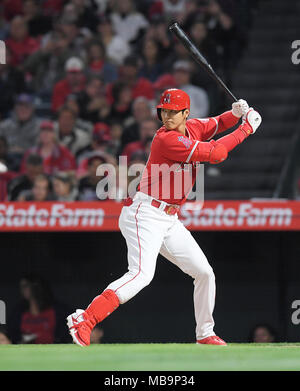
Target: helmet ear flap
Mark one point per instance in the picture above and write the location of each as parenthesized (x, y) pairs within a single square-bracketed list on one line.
[(159, 114)]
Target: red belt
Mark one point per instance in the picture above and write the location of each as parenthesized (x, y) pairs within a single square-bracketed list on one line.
[(169, 209)]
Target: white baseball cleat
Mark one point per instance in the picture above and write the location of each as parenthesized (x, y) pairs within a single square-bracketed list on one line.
[(79, 328)]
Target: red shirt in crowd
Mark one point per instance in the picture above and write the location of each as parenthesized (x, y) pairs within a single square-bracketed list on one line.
[(21, 49), (132, 147), (60, 160), (12, 8), (61, 91), (5, 178), (143, 87), (42, 326)]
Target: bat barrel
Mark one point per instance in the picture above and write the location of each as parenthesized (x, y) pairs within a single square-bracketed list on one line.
[(198, 57)]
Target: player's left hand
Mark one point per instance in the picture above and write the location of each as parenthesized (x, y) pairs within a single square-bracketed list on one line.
[(251, 121), (240, 108)]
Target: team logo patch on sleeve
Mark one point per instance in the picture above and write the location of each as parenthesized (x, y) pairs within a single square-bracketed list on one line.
[(185, 141)]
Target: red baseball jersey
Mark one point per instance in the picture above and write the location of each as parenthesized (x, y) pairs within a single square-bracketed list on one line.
[(174, 159)]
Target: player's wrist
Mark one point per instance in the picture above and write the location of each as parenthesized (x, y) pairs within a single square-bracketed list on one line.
[(246, 129), (235, 114)]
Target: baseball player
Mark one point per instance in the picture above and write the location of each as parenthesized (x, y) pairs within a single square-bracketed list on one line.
[(149, 221)]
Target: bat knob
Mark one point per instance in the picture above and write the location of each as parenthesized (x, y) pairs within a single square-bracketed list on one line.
[(173, 26)]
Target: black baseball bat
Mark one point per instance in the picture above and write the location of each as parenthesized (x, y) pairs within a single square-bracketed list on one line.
[(198, 57)]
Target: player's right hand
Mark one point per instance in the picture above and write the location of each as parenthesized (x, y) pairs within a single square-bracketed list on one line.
[(253, 119), (240, 108)]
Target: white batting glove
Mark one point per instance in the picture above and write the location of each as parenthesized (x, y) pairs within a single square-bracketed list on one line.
[(253, 119), (240, 108)]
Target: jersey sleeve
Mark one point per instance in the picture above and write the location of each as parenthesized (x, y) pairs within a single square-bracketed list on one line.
[(209, 127), (178, 148)]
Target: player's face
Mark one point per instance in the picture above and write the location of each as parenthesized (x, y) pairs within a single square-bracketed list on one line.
[(172, 119)]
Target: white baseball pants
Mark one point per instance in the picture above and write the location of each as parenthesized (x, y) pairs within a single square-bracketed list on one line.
[(149, 231)]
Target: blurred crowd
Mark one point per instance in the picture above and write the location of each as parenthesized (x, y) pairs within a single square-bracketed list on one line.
[(39, 317), (82, 78)]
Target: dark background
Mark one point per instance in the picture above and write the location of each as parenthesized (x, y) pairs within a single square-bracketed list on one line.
[(257, 276)]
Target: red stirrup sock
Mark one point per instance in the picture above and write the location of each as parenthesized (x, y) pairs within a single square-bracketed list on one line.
[(102, 306)]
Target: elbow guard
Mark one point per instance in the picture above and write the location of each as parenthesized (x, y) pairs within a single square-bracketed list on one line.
[(218, 153)]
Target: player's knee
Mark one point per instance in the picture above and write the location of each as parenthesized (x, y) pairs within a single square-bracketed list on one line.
[(206, 273), (133, 287)]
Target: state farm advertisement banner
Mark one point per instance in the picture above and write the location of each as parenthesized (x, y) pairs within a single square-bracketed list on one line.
[(103, 216)]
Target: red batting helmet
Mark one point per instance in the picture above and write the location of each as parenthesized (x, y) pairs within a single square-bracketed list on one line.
[(173, 99)]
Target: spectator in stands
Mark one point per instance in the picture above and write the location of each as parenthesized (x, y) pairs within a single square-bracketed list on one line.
[(88, 184), (127, 22), (129, 74), (56, 157), (147, 130), (141, 109), (33, 168), (152, 67), (39, 318), (86, 14), (220, 21), (22, 128), (4, 340), (219, 15), (101, 142), (7, 157), (139, 157), (46, 66), (6, 176), (52, 7), (262, 333), (158, 30), (204, 42), (73, 83), (122, 99), (116, 47), (106, 139), (163, 83), (64, 187), (69, 12), (41, 190), (78, 38), (38, 24), (114, 144), (70, 135), (171, 9), (92, 102), (199, 97), (209, 48), (177, 53), (221, 24), (4, 26), (12, 8), (97, 63), (97, 334), (73, 104), (19, 42), (12, 82)]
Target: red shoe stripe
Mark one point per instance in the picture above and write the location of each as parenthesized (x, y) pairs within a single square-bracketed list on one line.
[(81, 340)]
